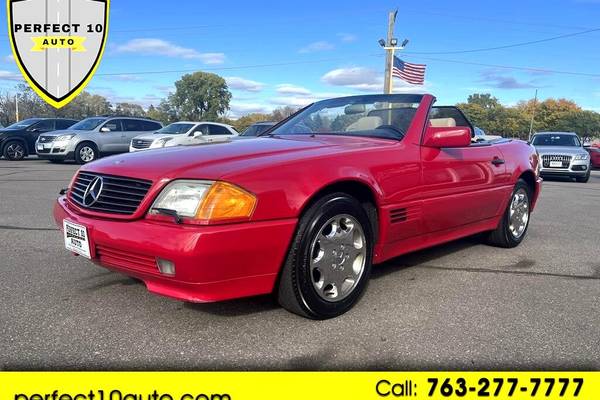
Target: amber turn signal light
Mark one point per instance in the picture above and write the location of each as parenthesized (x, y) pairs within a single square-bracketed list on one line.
[(225, 201)]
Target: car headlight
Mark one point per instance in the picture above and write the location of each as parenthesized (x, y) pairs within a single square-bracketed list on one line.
[(160, 142), (205, 201), (581, 156)]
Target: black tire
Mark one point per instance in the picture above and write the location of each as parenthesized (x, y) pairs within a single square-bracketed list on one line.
[(14, 150), (297, 288), (80, 158), (583, 179), (503, 236)]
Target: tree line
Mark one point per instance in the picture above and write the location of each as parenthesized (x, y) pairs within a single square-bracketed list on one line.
[(205, 96)]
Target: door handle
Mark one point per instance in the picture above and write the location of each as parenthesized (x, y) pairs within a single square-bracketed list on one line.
[(497, 161)]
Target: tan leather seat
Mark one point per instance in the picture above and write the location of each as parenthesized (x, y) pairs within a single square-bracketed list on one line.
[(443, 122), (365, 124)]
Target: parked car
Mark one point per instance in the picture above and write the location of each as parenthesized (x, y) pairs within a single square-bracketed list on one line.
[(303, 212), (479, 135), (93, 138), (18, 140), (594, 151), (182, 134), (562, 155), (257, 128)]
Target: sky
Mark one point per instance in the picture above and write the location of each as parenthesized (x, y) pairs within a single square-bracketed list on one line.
[(274, 54)]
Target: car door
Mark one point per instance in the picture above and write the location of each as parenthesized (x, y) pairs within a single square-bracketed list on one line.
[(131, 129), (111, 137), (460, 185), (218, 133), (199, 135), (32, 133)]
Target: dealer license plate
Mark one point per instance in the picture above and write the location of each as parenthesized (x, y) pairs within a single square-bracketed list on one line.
[(76, 238), (555, 164), (40, 146)]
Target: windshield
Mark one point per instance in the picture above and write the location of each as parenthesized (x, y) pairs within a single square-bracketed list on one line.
[(87, 124), (383, 116), (23, 124), (556, 139), (175, 129)]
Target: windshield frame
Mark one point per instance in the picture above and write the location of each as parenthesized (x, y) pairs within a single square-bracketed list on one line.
[(538, 135), (346, 101)]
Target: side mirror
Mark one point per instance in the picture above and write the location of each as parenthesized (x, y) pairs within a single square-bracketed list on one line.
[(104, 129), (197, 134), (440, 137)]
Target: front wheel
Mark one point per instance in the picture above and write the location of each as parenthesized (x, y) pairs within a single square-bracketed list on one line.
[(329, 262), (14, 150), (514, 223), (583, 179), (85, 153)]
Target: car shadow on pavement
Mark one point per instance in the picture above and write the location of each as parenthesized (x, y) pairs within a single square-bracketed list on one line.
[(237, 307), (424, 257)]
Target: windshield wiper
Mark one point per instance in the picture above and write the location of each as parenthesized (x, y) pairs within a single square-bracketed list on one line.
[(169, 212)]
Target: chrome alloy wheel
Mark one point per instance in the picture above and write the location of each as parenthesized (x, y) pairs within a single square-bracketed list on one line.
[(15, 151), (518, 213), (337, 257), (86, 154)]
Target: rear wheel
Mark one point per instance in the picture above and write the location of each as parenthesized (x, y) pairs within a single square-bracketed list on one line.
[(14, 150), (329, 262), (515, 221), (85, 153)]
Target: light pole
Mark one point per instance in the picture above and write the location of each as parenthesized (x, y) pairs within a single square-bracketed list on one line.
[(390, 46), (17, 107)]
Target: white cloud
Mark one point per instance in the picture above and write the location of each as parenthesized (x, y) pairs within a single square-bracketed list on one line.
[(161, 47), (10, 76), (235, 82), (359, 78), (347, 37), (293, 101), (290, 89), (8, 58), (321, 45), (238, 109), (123, 78)]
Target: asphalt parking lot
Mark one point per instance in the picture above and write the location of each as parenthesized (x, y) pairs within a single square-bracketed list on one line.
[(462, 305)]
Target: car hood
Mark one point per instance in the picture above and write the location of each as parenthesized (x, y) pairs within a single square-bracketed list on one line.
[(569, 150), (65, 132), (217, 160), (154, 136)]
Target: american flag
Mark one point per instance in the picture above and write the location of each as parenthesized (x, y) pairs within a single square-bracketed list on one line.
[(411, 73)]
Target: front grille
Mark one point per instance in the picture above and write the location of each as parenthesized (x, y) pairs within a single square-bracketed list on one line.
[(141, 143), (118, 195), (47, 139), (126, 259), (42, 151), (546, 158)]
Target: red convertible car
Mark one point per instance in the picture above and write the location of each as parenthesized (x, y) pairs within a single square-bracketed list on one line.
[(305, 210)]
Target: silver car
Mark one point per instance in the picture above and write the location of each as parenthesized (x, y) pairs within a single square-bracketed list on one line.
[(562, 154), (92, 138)]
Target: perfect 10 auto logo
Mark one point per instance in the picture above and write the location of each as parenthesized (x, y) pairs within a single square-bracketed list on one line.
[(57, 44)]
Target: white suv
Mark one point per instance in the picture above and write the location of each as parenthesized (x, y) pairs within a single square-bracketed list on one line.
[(183, 133)]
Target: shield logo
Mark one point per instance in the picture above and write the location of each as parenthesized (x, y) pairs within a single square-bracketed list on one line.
[(58, 44)]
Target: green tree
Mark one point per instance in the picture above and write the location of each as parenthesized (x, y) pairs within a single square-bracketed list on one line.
[(200, 96), (130, 110)]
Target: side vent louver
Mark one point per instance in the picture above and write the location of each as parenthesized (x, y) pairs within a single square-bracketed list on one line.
[(398, 215)]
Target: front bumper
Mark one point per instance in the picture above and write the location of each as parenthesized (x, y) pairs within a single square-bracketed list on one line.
[(55, 150), (212, 263), (576, 168)]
